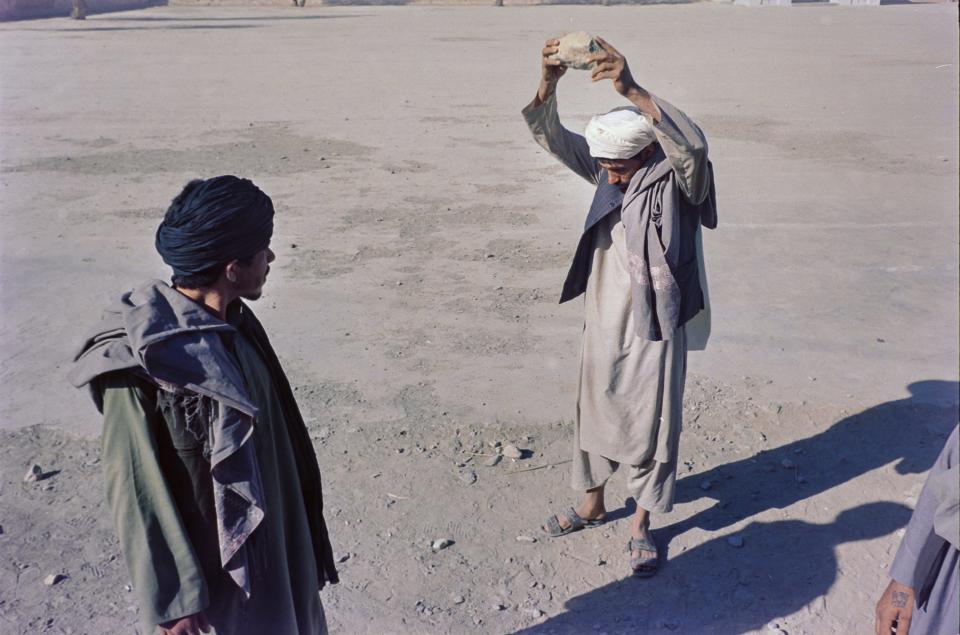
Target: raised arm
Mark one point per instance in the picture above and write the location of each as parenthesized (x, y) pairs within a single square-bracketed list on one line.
[(681, 139), (164, 569), (544, 122)]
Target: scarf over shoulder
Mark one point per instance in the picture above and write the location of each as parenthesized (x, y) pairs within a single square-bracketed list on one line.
[(660, 228), (163, 336)]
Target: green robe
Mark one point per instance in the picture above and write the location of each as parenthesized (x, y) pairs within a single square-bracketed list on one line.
[(158, 486)]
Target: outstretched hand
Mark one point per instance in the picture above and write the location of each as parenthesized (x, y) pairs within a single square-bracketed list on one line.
[(611, 64)]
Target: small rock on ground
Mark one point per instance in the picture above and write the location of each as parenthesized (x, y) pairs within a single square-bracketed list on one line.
[(441, 543), (735, 541), (512, 452), (33, 474), (54, 578)]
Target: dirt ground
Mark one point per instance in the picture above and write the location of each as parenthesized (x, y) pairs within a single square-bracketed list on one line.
[(421, 242)]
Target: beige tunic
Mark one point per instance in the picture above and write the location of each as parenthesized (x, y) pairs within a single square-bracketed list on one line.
[(630, 397), (630, 394)]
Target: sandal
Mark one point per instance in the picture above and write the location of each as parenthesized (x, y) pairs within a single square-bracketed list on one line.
[(554, 530), (643, 567)]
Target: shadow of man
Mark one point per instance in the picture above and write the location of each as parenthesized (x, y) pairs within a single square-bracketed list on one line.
[(783, 567), (909, 431)]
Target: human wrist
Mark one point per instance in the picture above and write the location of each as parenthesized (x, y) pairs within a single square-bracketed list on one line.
[(546, 89)]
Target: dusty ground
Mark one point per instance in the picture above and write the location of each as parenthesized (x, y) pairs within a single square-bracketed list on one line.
[(422, 240)]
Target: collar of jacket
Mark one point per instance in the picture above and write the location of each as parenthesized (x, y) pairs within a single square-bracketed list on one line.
[(172, 338)]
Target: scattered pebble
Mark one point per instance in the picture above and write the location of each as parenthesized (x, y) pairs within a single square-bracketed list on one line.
[(459, 599), (705, 485), (499, 607), (468, 476), (512, 452), (341, 557), (54, 578), (774, 629), (441, 543), (33, 474), (127, 588), (534, 613), (735, 541), (788, 464), (529, 539)]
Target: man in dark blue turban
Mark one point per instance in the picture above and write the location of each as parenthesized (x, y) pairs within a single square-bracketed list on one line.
[(212, 223), (211, 475)]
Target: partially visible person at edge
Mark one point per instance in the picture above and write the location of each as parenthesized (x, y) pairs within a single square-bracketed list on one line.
[(637, 265), (923, 597), (210, 473)]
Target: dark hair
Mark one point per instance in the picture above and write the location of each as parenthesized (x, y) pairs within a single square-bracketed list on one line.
[(199, 280), (207, 277)]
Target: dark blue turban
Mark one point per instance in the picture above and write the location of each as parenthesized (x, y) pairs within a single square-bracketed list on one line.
[(213, 222)]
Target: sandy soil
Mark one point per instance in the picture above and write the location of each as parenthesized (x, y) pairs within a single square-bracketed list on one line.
[(422, 239)]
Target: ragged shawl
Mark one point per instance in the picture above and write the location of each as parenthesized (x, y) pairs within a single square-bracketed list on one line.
[(652, 217), (163, 336)]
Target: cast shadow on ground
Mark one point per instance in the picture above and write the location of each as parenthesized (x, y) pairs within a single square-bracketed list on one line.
[(782, 567), (264, 18), (197, 23), (184, 27), (910, 431)]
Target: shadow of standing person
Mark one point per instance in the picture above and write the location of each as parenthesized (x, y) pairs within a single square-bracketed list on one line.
[(782, 567), (907, 431)]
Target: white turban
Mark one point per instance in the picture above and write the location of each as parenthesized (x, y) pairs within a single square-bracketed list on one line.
[(619, 134)]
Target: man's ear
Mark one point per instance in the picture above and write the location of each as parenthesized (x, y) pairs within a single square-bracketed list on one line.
[(231, 271)]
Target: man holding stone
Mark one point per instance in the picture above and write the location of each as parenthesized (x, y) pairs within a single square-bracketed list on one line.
[(210, 473), (639, 267)]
